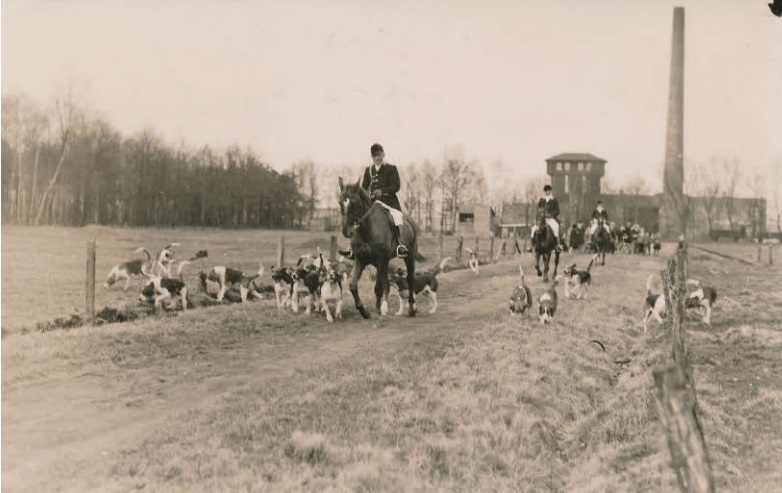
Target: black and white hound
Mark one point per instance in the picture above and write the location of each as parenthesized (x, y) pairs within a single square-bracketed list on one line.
[(227, 278), (473, 263), (306, 284), (425, 282), (701, 297), (521, 299), (164, 261), (282, 278), (547, 302), (654, 304), (331, 290), (126, 270), (162, 289), (578, 282)]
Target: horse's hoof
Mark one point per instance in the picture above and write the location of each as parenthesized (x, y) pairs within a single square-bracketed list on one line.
[(412, 313)]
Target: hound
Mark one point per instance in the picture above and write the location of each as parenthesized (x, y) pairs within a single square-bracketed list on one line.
[(701, 297), (521, 298), (126, 270), (654, 304), (282, 278), (547, 302), (331, 290), (227, 277), (425, 282), (577, 282), (473, 262), (164, 261), (306, 283), (160, 289)]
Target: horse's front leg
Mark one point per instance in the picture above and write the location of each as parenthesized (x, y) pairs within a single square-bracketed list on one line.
[(381, 289), (556, 263), (410, 264), (537, 264), (355, 275)]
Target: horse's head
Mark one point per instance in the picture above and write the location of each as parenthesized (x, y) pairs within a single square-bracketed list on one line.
[(354, 202), (541, 217)]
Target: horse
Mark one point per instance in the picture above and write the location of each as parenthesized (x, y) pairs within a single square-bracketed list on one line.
[(369, 228), (544, 243), (602, 241)]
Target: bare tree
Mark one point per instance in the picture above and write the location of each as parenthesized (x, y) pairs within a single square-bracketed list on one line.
[(706, 184), (635, 188), (776, 191), (456, 174), (67, 117), (755, 208), (430, 187), (533, 191), (307, 182)]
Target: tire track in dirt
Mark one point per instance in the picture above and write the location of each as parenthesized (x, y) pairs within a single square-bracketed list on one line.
[(63, 434)]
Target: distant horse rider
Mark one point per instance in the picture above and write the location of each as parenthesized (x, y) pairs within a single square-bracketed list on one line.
[(550, 205), (599, 214), (381, 181)]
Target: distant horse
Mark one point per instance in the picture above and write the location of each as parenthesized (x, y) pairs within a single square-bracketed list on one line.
[(544, 243), (602, 241), (368, 225)]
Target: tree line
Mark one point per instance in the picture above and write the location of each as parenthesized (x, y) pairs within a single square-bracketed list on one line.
[(64, 166)]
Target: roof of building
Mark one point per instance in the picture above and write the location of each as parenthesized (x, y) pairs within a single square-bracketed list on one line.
[(576, 156), (514, 213)]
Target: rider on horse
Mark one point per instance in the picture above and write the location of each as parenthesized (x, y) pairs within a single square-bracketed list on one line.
[(550, 205), (381, 181), (598, 215)]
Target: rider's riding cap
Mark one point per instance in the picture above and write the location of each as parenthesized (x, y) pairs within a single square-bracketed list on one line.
[(376, 149), (547, 188)]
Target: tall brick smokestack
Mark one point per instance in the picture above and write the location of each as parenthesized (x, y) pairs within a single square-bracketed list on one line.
[(673, 176)]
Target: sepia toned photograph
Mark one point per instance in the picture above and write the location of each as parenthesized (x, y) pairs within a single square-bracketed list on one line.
[(391, 246)]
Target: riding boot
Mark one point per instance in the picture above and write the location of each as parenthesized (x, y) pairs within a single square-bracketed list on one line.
[(401, 249)]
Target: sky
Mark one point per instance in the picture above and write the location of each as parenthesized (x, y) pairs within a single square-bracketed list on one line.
[(511, 83)]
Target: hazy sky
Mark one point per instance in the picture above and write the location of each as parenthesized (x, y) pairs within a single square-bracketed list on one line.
[(509, 81)]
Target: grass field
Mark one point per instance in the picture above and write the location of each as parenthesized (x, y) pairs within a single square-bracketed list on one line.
[(244, 398)]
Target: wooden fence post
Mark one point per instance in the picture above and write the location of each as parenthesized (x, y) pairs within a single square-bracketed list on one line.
[(333, 249), (90, 292), (760, 250), (440, 244), (491, 249), (459, 246), (689, 456), (281, 251), (770, 255)]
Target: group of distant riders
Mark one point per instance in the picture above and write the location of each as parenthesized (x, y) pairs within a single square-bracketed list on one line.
[(630, 238)]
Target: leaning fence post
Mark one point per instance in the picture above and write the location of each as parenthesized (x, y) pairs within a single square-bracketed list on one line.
[(440, 244), (770, 255), (90, 292), (491, 248), (333, 249), (689, 455), (760, 250), (281, 251), (459, 245)]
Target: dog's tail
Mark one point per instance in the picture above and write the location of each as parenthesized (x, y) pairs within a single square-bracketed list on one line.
[(649, 285), (171, 245), (591, 262), (202, 281), (181, 265), (142, 249), (442, 265), (199, 255), (521, 276)]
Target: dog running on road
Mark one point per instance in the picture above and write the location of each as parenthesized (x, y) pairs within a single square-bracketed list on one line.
[(521, 299), (577, 282), (425, 282), (473, 263), (547, 302)]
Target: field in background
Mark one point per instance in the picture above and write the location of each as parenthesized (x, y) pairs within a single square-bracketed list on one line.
[(470, 399), (44, 268)]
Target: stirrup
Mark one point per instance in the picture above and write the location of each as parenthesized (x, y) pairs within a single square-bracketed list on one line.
[(348, 254), (399, 253)]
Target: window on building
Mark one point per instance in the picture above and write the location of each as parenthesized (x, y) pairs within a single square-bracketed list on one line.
[(559, 166), (589, 166), (567, 166), (581, 166)]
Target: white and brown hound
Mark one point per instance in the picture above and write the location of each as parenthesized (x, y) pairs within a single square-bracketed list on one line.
[(701, 297), (126, 270), (473, 263), (226, 278), (160, 289), (578, 282), (547, 302), (521, 299), (331, 290), (425, 282)]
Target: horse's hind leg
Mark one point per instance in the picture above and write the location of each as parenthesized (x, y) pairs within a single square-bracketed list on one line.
[(355, 275), (381, 290), (410, 264)]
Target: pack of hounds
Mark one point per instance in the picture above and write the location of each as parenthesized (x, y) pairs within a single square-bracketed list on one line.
[(316, 283), (577, 284)]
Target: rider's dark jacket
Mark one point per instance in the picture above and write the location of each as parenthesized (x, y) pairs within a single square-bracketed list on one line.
[(551, 207), (386, 179), (596, 214)]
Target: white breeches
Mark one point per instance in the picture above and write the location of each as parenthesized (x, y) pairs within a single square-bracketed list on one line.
[(552, 223), (396, 215)]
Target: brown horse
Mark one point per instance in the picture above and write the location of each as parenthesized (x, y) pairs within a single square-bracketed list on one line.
[(368, 226), (544, 244), (602, 241)]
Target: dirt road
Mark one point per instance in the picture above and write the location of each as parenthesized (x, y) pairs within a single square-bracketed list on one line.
[(66, 419)]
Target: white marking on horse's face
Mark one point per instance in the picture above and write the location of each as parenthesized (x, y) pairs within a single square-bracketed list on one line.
[(345, 204)]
